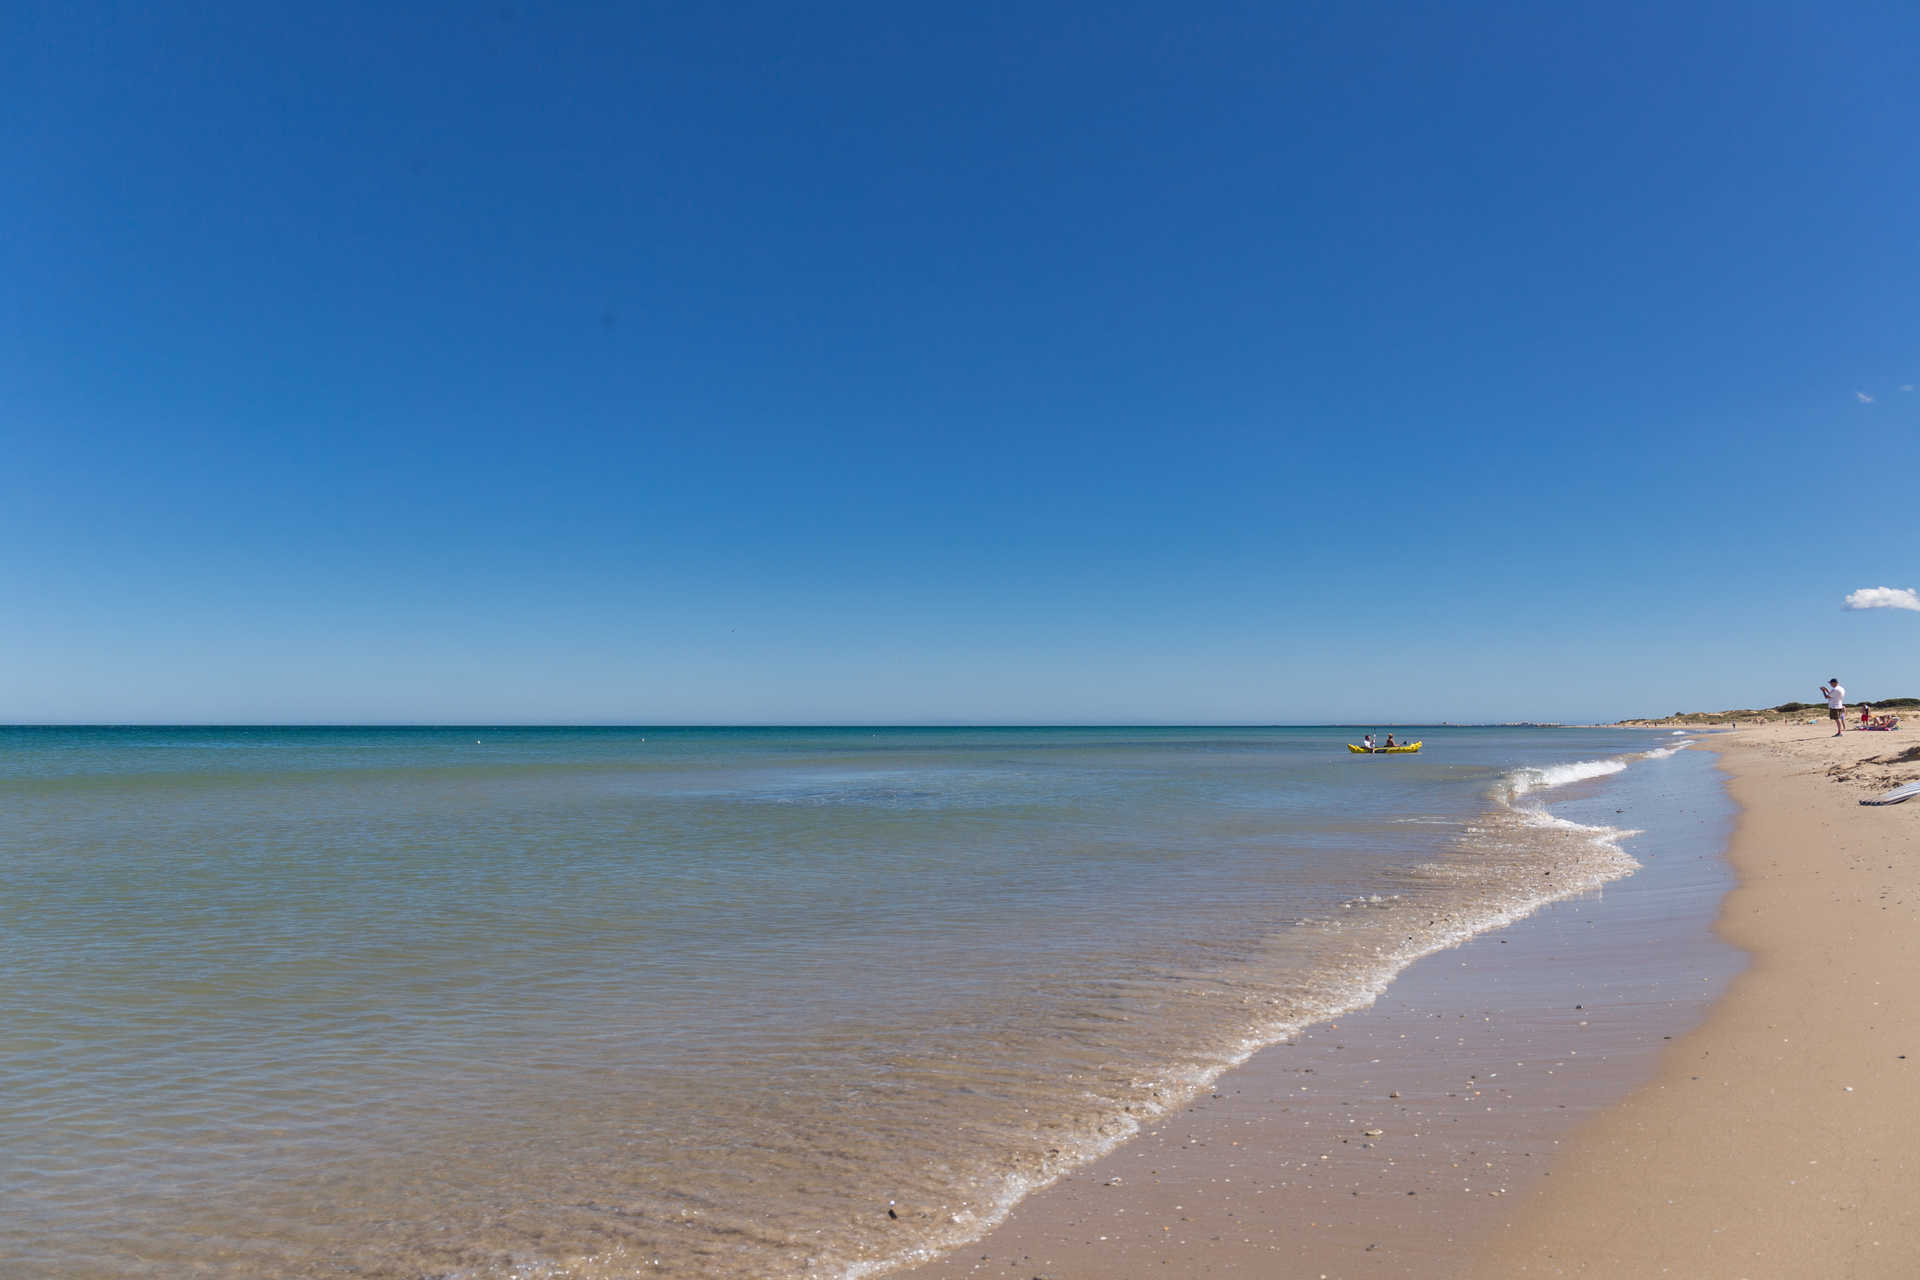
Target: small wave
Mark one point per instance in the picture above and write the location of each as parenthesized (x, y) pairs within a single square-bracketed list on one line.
[(1371, 900), (1529, 779), (1520, 858), (1661, 753)]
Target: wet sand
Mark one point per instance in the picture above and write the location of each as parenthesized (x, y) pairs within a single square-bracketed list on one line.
[(1553, 1099), (1783, 1137), (1399, 1140)]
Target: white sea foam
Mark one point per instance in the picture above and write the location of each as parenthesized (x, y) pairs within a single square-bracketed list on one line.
[(1600, 860), (1559, 775), (1595, 857)]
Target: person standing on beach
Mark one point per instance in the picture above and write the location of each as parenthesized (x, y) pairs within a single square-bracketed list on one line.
[(1836, 705)]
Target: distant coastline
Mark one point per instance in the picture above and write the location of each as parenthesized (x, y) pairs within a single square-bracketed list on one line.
[(1748, 717)]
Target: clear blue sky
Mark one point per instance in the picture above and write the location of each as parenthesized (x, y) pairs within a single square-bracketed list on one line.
[(882, 362)]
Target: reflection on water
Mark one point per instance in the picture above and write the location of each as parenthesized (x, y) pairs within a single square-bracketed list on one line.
[(695, 1002)]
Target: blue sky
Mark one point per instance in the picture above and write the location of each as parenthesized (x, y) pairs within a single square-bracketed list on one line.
[(882, 363)]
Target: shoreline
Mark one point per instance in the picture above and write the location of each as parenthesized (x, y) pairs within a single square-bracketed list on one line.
[(1395, 1139), (1780, 1137), (1774, 1133)]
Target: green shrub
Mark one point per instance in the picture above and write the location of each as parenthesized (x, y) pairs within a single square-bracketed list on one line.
[(1791, 707)]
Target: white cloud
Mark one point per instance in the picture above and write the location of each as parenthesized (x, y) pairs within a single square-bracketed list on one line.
[(1884, 598), (1863, 397), (1907, 387)]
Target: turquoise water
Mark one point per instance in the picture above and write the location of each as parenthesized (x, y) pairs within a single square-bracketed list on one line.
[(704, 1002)]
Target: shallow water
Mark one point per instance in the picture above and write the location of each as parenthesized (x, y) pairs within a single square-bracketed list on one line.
[(423, 1002)]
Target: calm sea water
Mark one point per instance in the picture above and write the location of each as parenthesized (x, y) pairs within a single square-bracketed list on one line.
[(696, 1002)]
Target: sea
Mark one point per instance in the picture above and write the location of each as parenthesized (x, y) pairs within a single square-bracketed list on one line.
[(532, 1003)]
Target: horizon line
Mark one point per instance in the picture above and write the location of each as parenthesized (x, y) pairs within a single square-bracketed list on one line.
[(820, 724)]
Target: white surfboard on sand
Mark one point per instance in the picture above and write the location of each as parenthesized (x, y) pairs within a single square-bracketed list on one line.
[(1896, 795)]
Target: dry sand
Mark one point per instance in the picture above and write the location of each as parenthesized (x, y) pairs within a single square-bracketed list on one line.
[(1782, 1138), (1517, 1134)]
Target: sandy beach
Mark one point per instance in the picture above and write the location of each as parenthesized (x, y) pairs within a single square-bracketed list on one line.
[(1780, 1138), (1562, 1098)]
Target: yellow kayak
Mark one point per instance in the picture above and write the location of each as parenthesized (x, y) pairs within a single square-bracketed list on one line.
[(1384, 751)]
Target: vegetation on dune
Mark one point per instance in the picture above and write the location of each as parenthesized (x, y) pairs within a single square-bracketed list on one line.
[(1764, 714)]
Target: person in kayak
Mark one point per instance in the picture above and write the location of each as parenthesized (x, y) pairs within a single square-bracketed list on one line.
[(1367, 742), (1389, 737)]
